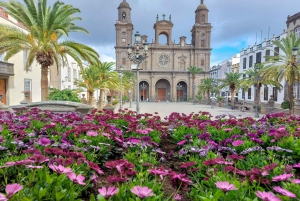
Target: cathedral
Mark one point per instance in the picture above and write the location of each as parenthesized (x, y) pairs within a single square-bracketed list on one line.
[(165, 75)]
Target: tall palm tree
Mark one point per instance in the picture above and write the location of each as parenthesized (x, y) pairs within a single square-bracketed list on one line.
[(194, 70), (232, 80), (251, 79), (107, 79), (285, 66), (206, 86), (89, 81), (46, 39)]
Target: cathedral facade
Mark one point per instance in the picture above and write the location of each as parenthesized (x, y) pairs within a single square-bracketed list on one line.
[(165, 75)]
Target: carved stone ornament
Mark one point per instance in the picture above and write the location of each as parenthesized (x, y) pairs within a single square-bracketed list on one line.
[(163, 60)]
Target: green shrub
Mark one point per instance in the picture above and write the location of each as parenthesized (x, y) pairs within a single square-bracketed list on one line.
[(63, 95), (285, 105)]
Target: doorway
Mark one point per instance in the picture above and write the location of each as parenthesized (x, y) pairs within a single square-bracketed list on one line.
[(3, 90)]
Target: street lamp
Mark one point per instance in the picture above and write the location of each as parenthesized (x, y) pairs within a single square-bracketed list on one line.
[(213, 98), (130, 94), (137, 59), (143, 86), (121, 75), (179, 86), (295, 53), (256, 115), (194, 87)]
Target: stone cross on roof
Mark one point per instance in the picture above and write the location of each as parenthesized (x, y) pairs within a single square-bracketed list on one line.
[(164, 16), (202, 1)]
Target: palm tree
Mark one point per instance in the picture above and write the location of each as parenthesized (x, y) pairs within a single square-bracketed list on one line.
[(89, 81), (250, 79), (206, 86), (44, 40), (194, 70), (107, 79), (232, 80), (285, 66)]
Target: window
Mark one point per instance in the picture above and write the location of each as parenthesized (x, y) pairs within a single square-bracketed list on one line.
[(69, 74), (123, 15), (275, 93), (258, 57), (267, 55), (203, 18), (202, 62), (250, 61), (244, 76), (266, 89), (74, 73), (202, 43), (244, 63), (276, 51), (123, 61), (249, 93), (297, 32), (25, 58), (27, 86)]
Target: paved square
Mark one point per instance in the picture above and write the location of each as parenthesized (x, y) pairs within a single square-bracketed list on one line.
[(166, 108)]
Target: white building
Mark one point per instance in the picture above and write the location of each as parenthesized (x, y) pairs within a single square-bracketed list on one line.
[(14, 79), (256, 54)]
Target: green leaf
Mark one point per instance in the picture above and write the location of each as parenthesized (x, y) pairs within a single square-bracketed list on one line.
[(100, 197), (218, 194), (60, 195)]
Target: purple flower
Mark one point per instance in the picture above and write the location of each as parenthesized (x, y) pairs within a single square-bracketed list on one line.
[(10, 190), (108, 192), (92, 133), (237, 143), (181, 142), (142, 192), (266, 196), (282, 177), (79, 179), (225, 186), (44, 141), (60, 169), (283, 191)]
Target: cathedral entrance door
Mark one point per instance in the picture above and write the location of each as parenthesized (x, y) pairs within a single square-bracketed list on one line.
[(162, 93), (3, 90)]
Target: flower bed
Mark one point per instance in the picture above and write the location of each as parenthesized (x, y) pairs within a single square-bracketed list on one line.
[(107, 156)]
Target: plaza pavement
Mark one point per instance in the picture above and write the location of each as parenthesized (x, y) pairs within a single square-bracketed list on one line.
[(166, 108)]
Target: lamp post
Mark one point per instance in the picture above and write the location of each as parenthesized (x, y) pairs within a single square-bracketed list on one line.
[(179, 86), (143, 87), (194, 87), (121, 75), (137, 59), (256, 115), (130, 94), (213, 98)]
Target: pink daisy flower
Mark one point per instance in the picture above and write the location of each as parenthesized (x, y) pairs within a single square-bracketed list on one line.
[(296, 181), (92, 133), (283, 191), (79, 179), (267, 196), (108, 192), (237, 143), (142, 192), (225, 186), (282, 177)]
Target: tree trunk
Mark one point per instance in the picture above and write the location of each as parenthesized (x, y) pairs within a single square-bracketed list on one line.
[(258, 94), (208, 98), (101, 98), (91, 94), (291, 98), (232, 97), (44, 83)]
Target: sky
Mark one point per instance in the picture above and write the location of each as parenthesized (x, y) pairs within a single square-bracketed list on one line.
[(236, 23)]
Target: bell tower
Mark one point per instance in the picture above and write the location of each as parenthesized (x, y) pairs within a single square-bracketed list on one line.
[(201, 37), (124, 29)]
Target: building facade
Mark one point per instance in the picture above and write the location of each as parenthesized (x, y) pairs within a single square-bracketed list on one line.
[(165, 71), (257, 54), (14, 78)]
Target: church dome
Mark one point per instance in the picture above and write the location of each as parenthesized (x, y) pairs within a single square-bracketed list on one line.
[(202, 7), (124, 4)]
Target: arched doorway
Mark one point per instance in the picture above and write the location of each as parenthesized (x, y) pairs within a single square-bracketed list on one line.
[(181, 89), (144, 91), (162, 90)]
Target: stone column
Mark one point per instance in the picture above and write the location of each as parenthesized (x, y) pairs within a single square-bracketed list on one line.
[(173, 87)]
